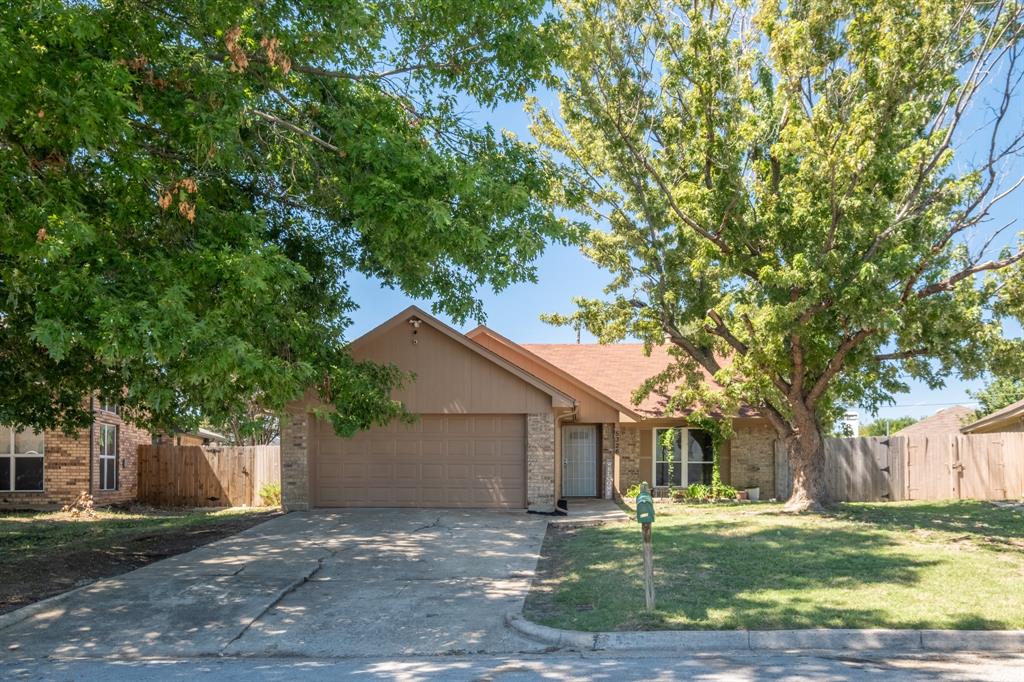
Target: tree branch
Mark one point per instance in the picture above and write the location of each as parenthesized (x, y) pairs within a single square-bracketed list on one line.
[(901, 355), (296, 129), (835, 365), (950, 282), (722, 331)]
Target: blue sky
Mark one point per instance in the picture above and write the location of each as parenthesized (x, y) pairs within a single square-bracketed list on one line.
[(563, 272)]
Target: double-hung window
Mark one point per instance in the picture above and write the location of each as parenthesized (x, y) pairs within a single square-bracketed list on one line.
[(677, 466), (108, 457), (21, 460)]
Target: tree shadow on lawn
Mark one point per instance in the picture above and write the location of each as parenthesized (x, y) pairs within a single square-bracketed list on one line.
[(992, 527), (715, 575)]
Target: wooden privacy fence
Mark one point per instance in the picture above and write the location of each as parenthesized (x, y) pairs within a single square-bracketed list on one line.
[(192, 476), (987, 466)]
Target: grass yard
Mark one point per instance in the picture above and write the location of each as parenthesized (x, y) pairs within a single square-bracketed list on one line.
[(45, 553), (953, 565)]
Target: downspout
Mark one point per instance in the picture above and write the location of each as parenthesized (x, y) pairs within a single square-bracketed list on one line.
[(92, 436)]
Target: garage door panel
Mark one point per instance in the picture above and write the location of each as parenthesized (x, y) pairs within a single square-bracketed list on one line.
[(407, 448), (431, 424), (512, 426), (440, 461), (382, 447), (485, 472), (510, 472), (485, 448), (432, 496), (431, 449), (407, 472), (458, 449)]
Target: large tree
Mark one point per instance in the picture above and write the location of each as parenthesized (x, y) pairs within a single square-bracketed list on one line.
[(999, 392), (784, 195), (185, 184)]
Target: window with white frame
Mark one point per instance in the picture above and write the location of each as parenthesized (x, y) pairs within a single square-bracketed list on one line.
[(21, 460), (108, 457), (670, 467), (107, 406)]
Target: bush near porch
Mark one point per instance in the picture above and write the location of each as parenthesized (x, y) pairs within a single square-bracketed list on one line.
[(955, 565)]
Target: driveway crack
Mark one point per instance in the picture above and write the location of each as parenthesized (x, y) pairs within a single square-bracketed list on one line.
[(436, 522), (296, 584)]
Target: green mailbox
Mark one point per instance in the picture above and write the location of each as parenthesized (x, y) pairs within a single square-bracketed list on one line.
[(644, 505)]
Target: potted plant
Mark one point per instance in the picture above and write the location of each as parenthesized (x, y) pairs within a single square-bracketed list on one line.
[(753, 492), (741, 495)]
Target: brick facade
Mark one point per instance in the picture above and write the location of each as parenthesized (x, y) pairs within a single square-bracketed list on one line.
[(295, 462), (629, 459), (66, 467), (752, 457), (608, 460), (540, 462)]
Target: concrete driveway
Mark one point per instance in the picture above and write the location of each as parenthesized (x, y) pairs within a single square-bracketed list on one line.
[(344, 583)]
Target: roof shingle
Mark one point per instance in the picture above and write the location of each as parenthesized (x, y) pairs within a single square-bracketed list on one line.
[(615, 370), (944, 421)]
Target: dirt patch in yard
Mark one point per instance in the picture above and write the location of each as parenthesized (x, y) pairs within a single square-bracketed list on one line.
[(42, 555), (540, 601)]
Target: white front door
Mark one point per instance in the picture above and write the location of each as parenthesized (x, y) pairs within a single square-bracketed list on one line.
[(579, 461)]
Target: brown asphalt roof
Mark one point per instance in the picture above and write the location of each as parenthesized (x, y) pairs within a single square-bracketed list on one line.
[(1008, 414), (615, 370), (944, 421)]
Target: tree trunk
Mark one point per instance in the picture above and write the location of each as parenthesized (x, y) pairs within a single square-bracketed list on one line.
[(806, 450)]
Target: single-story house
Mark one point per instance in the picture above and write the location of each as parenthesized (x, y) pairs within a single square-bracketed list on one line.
[(508, 425), (42, 470), (944, 422), (1009, 418)]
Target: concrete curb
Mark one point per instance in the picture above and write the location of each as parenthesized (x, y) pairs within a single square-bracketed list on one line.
[(25, 612), (1009, 641)]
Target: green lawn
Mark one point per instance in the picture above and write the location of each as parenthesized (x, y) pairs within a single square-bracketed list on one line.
[(891, 565), (45, 553)]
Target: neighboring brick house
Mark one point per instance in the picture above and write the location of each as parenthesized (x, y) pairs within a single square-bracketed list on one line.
[(53, 468), (508, 425)]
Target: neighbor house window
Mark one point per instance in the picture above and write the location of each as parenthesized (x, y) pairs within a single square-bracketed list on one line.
[(108, 407), (670, 466), (21, 460), (108, 457)]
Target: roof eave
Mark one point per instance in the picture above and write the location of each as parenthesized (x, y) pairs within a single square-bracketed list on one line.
[(558, 398), (632, 414)]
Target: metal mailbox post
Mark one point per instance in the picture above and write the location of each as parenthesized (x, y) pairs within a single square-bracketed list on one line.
[(645, 516)]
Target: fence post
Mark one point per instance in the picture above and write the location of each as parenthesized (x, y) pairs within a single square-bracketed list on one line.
[(956, 466)]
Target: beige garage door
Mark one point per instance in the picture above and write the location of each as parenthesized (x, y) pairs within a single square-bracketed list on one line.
[(440, 461)]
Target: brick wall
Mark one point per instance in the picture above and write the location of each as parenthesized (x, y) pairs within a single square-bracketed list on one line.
[(129, 438), (540, 462), (629, 459), (608, 460), (295, 462), (752, 457), (66, 467)]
